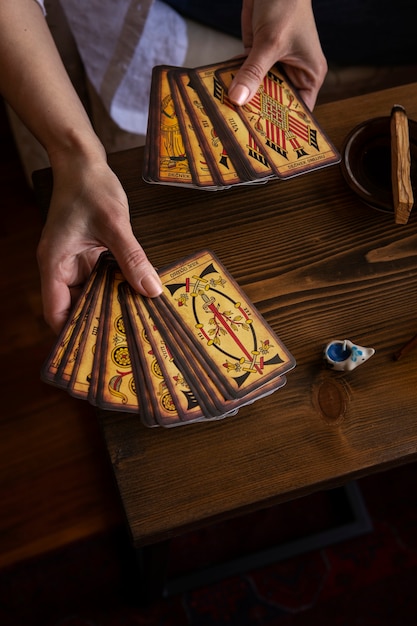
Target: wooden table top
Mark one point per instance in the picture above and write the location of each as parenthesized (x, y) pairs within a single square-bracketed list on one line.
[(319, 265)]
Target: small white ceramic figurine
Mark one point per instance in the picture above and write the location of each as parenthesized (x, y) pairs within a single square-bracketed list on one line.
[(343, 355)]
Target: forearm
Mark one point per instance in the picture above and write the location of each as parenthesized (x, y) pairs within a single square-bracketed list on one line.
[(35, 83)]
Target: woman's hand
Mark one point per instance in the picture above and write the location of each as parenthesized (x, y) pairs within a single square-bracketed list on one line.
[(89, 209), (284, 31), (88, 214)]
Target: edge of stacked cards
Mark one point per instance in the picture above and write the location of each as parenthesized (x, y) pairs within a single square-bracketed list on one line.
[(197, 138), (198, 352)]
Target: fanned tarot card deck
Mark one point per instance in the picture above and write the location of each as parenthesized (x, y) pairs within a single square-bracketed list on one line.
[(200, 351), (197, 138)]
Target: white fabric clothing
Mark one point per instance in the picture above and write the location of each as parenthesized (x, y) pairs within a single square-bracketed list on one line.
[(119, 44), (203, 45)]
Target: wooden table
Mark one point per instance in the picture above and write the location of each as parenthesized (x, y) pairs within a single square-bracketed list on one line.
[(319, 265)]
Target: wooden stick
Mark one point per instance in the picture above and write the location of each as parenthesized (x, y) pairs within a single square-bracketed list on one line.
[(400, 165), (407, 347)]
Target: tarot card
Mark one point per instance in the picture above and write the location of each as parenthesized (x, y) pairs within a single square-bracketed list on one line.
[(158, 408), (149, 148), (57, 369), (236, 342), (283, 127), (173, 398), (75, 354), (239, 143), (138, 342), (79, 384), (198, 352), (203, 381), (206, 388), (203, 170), (209, 387), (209, 144), (112, 383), (165, 155)]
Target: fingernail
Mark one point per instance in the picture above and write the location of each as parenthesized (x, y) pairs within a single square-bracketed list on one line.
[(239, 94), (152, 285)]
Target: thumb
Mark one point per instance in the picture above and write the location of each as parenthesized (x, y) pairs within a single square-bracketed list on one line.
[(136, 267), (247, 80)]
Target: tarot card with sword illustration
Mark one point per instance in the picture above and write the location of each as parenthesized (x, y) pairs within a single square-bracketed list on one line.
[(236, 345)]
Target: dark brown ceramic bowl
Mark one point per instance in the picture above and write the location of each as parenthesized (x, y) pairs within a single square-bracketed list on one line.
[(366, 162)]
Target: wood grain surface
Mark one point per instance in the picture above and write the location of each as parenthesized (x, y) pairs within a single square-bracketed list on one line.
[(319, 265)]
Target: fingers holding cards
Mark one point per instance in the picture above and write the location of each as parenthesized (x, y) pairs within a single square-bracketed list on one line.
[(198, 138), (284, 129), (198, 352)]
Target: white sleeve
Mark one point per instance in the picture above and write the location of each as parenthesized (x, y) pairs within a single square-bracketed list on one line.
[(42, 5), (119, 43)]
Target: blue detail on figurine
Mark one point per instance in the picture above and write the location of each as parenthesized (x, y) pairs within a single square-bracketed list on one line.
[(343, 355)]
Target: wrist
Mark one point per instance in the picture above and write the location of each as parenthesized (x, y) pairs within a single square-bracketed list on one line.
[(76, 147)]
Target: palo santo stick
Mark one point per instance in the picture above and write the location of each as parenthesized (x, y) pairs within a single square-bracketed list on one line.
[(400, 165)]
